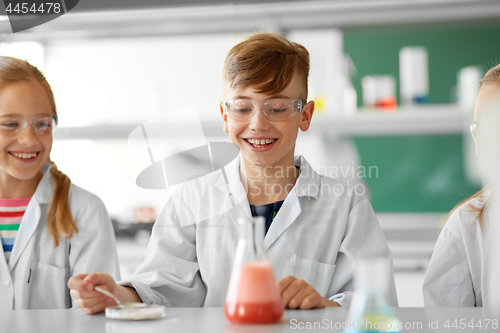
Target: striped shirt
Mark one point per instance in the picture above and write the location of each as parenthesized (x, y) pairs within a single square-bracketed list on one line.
[(11, 214)]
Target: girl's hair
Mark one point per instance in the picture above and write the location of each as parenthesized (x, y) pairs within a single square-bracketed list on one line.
[(470, 207), (266, 61), (59, 218), (491, 76)]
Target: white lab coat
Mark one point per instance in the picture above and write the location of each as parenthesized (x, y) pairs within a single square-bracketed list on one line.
[(37, 274), (456, 274), (317, 235)]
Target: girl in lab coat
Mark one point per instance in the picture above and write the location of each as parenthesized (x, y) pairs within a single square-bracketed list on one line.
[(455, 276), (50, 229), (316, 226)]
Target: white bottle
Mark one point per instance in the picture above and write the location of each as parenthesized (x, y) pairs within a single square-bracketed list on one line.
[(414, 75)]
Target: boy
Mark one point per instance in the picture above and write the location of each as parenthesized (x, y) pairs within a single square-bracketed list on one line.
[(315, 226)]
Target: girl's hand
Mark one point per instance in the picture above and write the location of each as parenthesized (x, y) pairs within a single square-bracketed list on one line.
[(298, 294), (90, 301)]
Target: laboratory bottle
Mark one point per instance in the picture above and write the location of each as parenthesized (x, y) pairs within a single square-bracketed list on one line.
[(370, 311), (414, 75), (253, 296)]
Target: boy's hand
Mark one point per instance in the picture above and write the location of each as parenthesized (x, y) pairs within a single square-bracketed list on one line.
[(298, 294), (90, 301)]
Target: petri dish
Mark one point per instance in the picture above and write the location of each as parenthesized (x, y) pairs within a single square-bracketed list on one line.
[(135, 311)]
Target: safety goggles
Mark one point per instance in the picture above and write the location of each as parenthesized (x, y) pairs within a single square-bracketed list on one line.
[(275, 109), (15, 124), (473, 131)]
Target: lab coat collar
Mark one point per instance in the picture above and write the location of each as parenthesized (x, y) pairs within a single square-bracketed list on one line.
[(309, 182), (307, 185), (287, 214), (32, 216), (43, 193), (230, 183), (231, 175)]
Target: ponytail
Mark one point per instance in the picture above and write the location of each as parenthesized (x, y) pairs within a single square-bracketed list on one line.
[(59, 218)]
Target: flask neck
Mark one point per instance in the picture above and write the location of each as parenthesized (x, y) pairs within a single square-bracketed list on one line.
[(251, 232)]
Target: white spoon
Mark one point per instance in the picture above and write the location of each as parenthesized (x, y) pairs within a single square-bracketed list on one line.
[(107, 293), (120, 304)]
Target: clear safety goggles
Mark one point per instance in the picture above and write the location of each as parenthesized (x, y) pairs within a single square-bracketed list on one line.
[(275, 109), (15, 124), (473, 131)]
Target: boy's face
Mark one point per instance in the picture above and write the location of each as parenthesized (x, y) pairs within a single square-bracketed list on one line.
[(279, 136)]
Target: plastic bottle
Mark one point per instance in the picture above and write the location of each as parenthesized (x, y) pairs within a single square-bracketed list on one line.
[(414, 75)]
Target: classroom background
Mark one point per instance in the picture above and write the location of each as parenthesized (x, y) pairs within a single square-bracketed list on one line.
[(114, 65)]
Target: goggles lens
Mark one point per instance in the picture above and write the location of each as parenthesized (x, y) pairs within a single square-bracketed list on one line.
[(473, 131), (15, 124), (275, 109)]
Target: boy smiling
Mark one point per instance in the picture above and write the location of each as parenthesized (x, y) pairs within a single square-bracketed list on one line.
[(316, 228)]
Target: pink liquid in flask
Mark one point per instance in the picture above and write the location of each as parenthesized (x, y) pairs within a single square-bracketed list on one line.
[(256, 298)]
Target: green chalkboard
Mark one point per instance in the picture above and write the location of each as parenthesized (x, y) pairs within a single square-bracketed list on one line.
[(419, 173), (415, 173)]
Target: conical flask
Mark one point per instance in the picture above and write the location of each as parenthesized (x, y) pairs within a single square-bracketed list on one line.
[(370, 311), (253, 296)]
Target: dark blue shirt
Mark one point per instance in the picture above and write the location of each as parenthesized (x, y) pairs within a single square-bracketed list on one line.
[(268, 212)]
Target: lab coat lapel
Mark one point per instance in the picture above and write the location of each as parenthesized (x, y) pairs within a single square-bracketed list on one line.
[(307, 185), (287, 214), (236, 201), (27, 228), (31, 218), (3, 263)]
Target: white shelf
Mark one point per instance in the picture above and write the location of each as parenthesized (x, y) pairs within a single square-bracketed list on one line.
[(110, 131), (410, 221), (94, 132), (423, 120)]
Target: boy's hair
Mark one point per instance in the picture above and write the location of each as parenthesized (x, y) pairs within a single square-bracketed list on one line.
[(266, 61)]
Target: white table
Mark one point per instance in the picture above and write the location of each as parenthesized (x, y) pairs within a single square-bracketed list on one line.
[(209, 320)]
